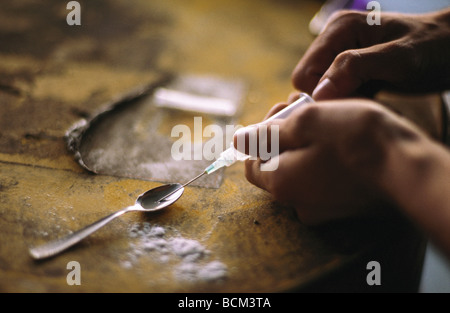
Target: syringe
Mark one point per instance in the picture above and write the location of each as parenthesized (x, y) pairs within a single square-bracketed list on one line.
[(231, 155)]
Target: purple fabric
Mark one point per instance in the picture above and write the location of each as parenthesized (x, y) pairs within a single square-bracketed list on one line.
[(359, 5)]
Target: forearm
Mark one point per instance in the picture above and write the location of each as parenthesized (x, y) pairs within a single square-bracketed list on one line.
[(416, 176)]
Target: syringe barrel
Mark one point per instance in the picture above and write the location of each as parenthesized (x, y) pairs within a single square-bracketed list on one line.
[(301, 101), (231, 155)]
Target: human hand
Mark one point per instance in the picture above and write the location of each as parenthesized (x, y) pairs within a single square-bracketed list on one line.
[(331, 156), (405, 53)]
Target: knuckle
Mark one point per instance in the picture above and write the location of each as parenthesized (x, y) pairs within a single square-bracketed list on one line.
[(276, 108), (371, 118), (276, 188), (249, 174), (347, 18), (308, 115), (349, 60), (355, 152), (301, 124), (297, 77), (304, 79), (367, 122)]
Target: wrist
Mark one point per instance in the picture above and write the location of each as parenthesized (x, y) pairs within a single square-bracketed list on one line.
[(414, 174), (416, 180), (405, 166)]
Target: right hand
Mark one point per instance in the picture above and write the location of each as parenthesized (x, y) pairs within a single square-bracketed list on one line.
[(332, 157), (405, 52)]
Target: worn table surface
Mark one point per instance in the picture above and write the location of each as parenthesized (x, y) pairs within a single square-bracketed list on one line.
[(53, 74)]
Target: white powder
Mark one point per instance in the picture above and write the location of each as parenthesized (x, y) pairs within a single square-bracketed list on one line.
[(211, 271), (192, 260)]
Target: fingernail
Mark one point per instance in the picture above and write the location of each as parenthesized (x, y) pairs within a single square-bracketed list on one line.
[(325, 90)]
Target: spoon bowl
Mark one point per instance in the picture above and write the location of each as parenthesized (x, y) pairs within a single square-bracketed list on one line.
[(160, 197)]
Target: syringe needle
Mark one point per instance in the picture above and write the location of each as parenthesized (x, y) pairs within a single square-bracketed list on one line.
[(231, 155), (182, 186), (195, 178)]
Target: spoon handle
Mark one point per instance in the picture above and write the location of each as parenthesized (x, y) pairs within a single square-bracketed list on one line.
[(54, 247)]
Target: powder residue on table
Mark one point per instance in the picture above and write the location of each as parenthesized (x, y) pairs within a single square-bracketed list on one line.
[(190, 259)]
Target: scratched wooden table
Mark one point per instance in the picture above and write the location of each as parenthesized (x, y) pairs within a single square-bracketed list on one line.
[(53, 74)]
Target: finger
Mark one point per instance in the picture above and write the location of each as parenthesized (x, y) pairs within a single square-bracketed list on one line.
[(243, 136), (351, 69), (341, 33), (280, 180), (261, 141), (275, 109), (252, 173), (294, 96), (275, 136)]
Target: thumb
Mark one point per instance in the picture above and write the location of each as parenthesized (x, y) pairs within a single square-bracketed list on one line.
[(259, 138), (279, 135), (353, 68)]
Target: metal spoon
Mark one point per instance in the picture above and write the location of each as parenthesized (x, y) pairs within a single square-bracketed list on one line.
[(152, 200)]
